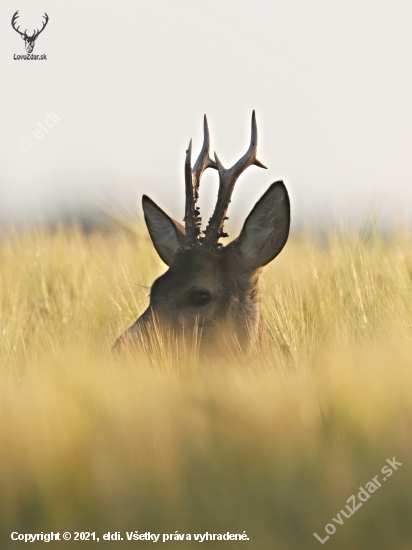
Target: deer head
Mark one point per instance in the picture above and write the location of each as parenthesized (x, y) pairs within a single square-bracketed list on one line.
[(28, 40), (210, 288)]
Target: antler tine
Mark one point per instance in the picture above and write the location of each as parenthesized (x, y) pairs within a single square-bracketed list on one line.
[(203, 160), (227, 180), (189, 218), (192, 178), (36, 33), (13, 22), (46, 20)]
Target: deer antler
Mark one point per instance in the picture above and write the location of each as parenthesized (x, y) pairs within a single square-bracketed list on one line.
[(227, 179), (13, 23), (36, 34), (24, 34), (192, 178)]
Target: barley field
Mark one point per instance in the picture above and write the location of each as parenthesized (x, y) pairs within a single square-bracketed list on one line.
[(272, 445)]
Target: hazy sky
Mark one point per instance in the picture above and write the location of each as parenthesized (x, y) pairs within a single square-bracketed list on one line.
[(331, 83)]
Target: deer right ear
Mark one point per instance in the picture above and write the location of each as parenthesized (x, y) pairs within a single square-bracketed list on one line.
[(266, 229), (166, 233)]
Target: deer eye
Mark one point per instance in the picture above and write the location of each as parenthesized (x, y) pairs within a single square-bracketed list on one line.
[(199, 298)]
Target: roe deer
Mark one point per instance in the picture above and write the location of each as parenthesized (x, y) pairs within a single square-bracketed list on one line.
[(210, 288)]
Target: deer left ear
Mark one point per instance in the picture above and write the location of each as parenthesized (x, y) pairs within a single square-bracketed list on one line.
[(266, 229), (167, 234)]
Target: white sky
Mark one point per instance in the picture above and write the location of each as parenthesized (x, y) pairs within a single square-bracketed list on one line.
[(331, 82)]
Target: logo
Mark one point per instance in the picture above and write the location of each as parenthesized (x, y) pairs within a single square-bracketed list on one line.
[(29, 41)]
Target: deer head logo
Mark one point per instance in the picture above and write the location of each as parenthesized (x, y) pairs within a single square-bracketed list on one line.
[(28, 40), (208, 285)]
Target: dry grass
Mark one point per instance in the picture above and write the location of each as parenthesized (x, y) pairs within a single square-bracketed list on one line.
[(273, 445)]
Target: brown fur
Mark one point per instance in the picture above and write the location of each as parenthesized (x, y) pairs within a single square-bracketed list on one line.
[(234, 309)]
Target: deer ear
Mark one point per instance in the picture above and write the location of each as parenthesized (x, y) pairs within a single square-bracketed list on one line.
[(167, 234), (266, 229)]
